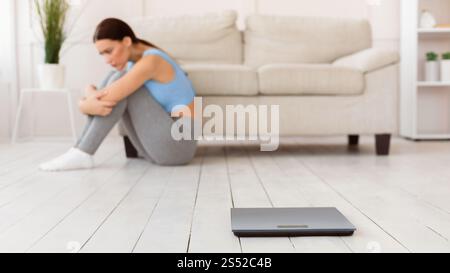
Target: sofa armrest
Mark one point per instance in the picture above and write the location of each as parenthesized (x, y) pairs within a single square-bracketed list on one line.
[(369, 60)]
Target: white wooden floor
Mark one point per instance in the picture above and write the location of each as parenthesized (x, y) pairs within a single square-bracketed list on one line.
[(399, 203)]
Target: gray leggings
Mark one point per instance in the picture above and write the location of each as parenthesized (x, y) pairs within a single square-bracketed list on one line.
[(148, 127)]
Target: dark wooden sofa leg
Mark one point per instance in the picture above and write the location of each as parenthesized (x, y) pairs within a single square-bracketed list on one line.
[(130, 151), (382, 144), (353, 140)]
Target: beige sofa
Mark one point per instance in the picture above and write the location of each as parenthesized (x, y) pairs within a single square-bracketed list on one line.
[(323, 72)]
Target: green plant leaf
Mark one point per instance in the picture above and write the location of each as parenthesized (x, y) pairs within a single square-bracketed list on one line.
[(446, 56), (432, 56), (52, 17)]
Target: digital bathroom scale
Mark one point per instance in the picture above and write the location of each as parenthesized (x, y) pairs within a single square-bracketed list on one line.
[(275, 222)]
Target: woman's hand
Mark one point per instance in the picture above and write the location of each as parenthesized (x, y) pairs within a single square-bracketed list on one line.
[(90, 90), (92, 105)]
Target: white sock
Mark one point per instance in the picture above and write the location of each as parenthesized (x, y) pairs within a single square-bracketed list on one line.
[(72, 160)]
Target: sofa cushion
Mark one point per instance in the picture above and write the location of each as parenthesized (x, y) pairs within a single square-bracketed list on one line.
[(208, 38), (222, 79), (291, 39), (310, 79)]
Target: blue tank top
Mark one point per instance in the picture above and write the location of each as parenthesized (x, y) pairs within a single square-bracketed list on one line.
[(178, 92)]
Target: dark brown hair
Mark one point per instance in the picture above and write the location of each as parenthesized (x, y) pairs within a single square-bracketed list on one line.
[(116, 29)]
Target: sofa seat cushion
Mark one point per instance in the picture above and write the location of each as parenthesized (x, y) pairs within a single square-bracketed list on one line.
[(310, 79), (222, 79)]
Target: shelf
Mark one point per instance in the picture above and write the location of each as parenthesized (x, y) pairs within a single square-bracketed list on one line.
[(433, 30), (434, 33), (433, 84), (61, 90), (425, 105)]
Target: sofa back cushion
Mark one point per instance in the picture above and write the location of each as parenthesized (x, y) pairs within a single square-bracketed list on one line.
[(291, 39), (208, 38)]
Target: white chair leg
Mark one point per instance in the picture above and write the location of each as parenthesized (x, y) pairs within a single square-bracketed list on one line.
[(71, 116), (33, 116), (18, 116)]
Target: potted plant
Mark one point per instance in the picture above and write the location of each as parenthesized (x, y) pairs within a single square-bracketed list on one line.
[(445, 67), (52, 17), (432, 67)]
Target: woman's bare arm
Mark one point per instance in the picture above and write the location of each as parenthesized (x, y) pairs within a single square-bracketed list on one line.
[(91, 105), (145, 69)]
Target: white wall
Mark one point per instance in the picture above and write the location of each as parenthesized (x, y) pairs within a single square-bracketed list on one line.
[(84, 66)]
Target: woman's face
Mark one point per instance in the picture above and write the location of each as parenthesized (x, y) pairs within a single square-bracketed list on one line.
[(116, 53)]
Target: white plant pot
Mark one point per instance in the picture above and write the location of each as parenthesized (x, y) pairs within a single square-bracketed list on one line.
[(432, 71), (51, 76), (445, 70)]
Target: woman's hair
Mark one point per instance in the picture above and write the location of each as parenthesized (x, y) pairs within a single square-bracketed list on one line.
[(116, 29)]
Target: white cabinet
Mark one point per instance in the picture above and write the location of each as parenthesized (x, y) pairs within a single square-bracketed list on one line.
[(425, 106)]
